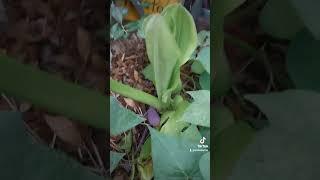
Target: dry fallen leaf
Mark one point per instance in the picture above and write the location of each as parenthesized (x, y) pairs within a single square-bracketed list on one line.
[(130, 103), (65, 129)]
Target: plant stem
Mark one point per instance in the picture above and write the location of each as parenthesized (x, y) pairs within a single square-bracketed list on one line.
[(134, 94), (53, 94)]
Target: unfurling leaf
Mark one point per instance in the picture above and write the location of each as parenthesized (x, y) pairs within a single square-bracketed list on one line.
[(171, 38)]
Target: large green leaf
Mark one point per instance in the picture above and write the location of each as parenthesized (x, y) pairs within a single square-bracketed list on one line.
[(171, 38), (183, 28), (22, 158), (162, 51), (56, 95), (227, 148), (280, 19), (172, 158), (303, 61), (289, 147), (115, 158), (198, 112), (121, 119), (204, 165), (309, 12)]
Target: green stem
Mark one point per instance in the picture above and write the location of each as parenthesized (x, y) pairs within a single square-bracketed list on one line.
[(53, 94), (134, 94)]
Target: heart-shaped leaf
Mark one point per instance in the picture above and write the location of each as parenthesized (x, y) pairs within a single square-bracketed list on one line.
[(288, 148), (198, 112), (172, 157), (121, 119)]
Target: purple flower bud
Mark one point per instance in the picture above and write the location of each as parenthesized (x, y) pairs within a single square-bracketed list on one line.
[(153, 117)]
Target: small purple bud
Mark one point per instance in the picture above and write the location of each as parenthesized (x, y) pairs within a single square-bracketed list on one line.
[(153, 117)]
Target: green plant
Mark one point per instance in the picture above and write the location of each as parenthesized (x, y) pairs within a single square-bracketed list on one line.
[(171, 39)]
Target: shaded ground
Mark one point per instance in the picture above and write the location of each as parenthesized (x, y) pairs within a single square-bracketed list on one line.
[(60, 37)]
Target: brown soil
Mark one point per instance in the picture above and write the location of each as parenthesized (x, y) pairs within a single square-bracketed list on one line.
[(128, 60)]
